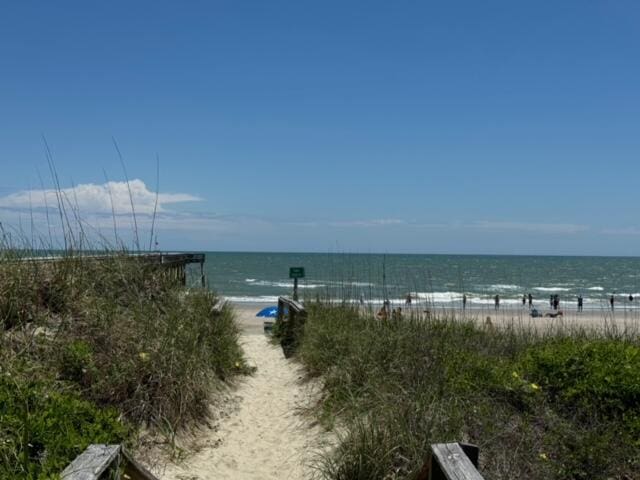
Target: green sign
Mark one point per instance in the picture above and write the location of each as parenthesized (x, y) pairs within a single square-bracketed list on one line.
[(296, 272)]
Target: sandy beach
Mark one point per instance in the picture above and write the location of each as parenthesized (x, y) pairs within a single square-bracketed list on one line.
[(261, 434), (594, 319), (600, 320)]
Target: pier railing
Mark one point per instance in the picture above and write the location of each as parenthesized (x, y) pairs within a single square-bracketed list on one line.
[(290, 324), (174, 263)]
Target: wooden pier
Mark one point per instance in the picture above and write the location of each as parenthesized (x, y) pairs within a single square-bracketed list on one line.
[(174, 262)]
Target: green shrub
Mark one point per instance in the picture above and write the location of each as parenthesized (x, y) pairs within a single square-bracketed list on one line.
[(76, 363), (597, 376), (42, 430)]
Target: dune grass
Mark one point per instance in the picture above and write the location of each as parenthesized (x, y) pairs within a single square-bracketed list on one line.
[(540, 405), (90, 351)]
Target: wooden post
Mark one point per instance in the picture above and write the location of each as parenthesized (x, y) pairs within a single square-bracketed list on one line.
[(295, 289), (290, 325), (202, 279)]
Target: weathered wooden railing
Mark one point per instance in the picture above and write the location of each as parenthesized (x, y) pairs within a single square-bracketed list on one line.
[(451, 461), (105, 462), (290, 324)]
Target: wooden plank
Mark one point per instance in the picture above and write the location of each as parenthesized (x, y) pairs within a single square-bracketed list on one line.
[(449, 462), (293, 304), (92, 463)]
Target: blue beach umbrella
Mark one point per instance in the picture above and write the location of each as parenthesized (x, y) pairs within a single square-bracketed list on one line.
[(268, 312)]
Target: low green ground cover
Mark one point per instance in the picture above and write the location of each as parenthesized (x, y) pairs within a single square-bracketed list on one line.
[(92, 351), (539, 405)]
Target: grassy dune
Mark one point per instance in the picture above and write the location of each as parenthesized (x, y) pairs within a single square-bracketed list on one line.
[(92, 351), (540, 405)]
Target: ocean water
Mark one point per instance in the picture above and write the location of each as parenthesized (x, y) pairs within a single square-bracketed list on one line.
[(436, 279)]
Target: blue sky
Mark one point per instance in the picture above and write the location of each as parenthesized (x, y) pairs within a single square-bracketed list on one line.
[(444, 127)]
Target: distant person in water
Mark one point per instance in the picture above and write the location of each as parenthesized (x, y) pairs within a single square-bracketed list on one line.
[(524, 300), (630, 298), (464, 301), (611, 301), (530, 300), (407, 300), (496, 300), (579, 303), (556, 302)]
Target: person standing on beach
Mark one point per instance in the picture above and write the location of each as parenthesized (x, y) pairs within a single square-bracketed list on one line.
[(524, 300), (497, 301), (407, 300), (556, 302), (464, 301), (579, 303), (530, 300), (383, 314), (611, 301)]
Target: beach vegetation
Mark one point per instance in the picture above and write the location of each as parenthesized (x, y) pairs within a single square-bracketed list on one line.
[(93, 351), (540, 404)]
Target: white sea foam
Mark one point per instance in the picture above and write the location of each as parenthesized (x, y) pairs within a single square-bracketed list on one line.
[(552, 289), (596, 289), (309, 284), (491, 301), (267, 283), (456, 297), (362, 284), (501, 286), (345, 283), (438, 297), (249, 299)]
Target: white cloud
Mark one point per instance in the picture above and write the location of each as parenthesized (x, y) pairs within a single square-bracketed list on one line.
[(381, 222), (547, 228), (92, 198), (497, 226)]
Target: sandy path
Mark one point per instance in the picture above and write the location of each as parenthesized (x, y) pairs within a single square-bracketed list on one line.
[(263, 438)]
